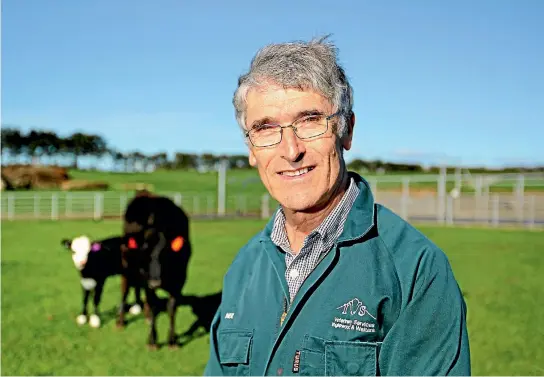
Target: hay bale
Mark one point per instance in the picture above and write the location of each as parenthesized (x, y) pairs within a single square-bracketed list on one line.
[(136, 186), (34, 176), (6, 184), (81, 184)]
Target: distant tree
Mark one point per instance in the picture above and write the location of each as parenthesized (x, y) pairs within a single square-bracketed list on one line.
[(49, 144), (117, 157), (238, 161), (76, 145), (136, 160), (185, 161), (159, 160), (209, 160), (357, 165), (12, 142)]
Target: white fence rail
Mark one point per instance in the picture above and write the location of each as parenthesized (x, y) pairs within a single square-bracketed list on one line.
[(100, 205), (491, 209)]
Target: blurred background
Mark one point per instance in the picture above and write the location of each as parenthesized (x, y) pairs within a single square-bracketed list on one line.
[(103, 98)]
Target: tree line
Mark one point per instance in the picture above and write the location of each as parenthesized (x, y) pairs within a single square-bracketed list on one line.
[(34, 145)]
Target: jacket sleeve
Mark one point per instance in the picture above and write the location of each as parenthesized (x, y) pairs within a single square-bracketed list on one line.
[(430, 335), (213, 366)]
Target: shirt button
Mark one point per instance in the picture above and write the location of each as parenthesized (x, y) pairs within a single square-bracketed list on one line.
[(293, 274), (279, 371)]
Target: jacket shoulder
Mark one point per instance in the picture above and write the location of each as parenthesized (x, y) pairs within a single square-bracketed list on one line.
[(401, 238), (245, 257), (416, 258)]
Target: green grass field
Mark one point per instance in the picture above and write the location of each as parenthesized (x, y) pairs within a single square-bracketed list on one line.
[(499, 271)]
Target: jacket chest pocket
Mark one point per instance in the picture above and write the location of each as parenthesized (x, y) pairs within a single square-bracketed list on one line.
[(338, 358), (350, 358), (234, 351)]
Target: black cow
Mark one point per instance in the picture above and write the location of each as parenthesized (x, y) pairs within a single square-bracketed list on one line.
[(96, 261), (157, 244)]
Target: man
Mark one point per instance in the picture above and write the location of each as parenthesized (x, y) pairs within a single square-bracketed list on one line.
[(335, 284)]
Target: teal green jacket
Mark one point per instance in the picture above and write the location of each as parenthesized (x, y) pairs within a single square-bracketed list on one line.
[(383, 301)]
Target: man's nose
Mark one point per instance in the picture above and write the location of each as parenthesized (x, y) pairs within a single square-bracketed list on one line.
[(291, 147)]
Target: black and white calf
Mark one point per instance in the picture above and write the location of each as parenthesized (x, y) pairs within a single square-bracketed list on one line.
[(96, 261)]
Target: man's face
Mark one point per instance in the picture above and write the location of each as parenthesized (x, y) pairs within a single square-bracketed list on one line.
[(321, 155)]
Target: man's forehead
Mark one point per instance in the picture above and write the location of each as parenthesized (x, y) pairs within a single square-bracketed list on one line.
[(282, 104)]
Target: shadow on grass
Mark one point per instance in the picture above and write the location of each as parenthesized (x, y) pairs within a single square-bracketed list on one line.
[(203, 307)]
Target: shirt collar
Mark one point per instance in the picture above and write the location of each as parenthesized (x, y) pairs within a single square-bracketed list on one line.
[(325, 230), (360, 219)]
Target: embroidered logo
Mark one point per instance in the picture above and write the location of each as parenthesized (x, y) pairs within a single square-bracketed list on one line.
[(229, 316), (354, 308)]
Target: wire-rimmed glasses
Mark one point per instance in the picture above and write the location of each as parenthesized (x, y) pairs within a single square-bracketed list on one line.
[(306, 127)]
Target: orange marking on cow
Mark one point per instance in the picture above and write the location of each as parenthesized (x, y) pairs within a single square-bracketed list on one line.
[(132, 243), (177, 243)]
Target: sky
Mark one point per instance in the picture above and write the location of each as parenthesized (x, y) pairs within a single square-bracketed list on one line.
[(460, 82)]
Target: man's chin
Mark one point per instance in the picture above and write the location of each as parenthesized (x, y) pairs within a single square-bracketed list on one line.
[(298, 204)]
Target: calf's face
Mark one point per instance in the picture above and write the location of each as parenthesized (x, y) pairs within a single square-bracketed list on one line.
[(81, 247)]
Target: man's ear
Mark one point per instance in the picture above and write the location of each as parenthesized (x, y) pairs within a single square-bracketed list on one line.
[(346, 141), (252, 158)]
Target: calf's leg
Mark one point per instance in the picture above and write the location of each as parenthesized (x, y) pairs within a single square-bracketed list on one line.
[(82, 318), (173, 301), (152, 301), (94, 321), (137, 307)]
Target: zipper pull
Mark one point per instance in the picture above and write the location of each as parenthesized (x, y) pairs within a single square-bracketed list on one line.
[(285, 310), (283, 315)]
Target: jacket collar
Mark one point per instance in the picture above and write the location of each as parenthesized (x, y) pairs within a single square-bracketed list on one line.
[(360, 218)]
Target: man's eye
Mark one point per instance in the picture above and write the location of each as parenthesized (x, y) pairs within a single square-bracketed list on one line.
[(264, 127), (311, 119)]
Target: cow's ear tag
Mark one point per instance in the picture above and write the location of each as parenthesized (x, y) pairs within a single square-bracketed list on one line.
[(132, 243), (177, 243)]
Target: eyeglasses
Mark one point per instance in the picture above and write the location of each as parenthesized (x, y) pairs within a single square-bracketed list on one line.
[(307, 127)]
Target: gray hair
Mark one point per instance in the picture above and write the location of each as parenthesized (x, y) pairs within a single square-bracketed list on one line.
[(303, 65)]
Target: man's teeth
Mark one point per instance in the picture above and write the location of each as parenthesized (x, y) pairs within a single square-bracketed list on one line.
[(296, 172)]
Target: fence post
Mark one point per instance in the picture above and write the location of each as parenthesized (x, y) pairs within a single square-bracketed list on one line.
[(210, 205), (11, 206), (441, 208), (520, 190), (36, 206), (520, 187), (68, 205), (98, 205), (495, 210), (458, 179), (177, 199), (479, 184), (265, 209), (532, 207), (221, 187), (122, 204), (242, 204), (54, 207), (449, 210), (196, 205)]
